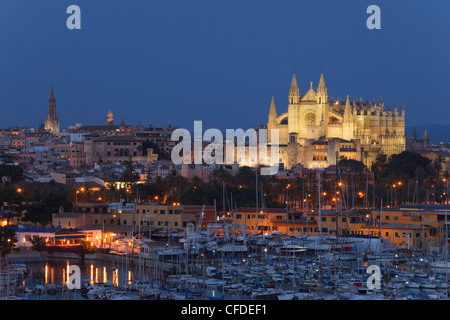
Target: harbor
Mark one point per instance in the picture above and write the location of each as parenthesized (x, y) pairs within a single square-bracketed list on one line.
[(257, 267)]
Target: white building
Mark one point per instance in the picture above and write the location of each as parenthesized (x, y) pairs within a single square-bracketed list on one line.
[(25, 233)]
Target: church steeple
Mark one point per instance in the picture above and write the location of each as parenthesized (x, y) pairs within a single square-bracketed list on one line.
[(52, 121), (294, 93), (52, 94)]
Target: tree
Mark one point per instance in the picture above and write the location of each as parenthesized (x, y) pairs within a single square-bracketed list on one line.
[(50, 201), (129, 176), (15, 172), (406, 168), (38, 244), (387, 280)]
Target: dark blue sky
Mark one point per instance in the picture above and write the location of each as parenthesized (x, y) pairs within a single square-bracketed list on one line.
[(219, 61)]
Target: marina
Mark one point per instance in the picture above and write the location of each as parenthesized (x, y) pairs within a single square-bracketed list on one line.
[(261, 267)]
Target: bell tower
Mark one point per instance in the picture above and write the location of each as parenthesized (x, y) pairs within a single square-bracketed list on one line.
[(52, 120), (110, 118)]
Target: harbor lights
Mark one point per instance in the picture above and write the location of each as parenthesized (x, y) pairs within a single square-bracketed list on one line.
[(446, 193)]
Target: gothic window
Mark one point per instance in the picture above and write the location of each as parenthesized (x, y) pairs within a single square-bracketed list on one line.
[(310, 118)]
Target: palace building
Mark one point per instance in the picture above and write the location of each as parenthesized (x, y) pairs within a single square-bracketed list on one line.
[(315, 131)]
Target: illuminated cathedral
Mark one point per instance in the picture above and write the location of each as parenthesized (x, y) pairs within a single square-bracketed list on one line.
[(315, 131)]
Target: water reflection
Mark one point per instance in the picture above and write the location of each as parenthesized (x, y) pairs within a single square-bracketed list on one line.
[(56, 272)]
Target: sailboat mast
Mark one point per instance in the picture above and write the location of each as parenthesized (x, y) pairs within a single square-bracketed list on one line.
[(256, 186), (381, 211), (320, 211)]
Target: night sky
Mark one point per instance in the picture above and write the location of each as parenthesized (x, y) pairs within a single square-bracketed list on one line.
[(220, 61)]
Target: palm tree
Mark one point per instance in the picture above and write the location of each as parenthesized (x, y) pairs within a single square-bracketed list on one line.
[(387, 280)]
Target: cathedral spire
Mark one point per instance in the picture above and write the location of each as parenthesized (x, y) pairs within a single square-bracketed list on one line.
[(272, 123), (321, 88), (273, 109), (294, 82), (322, 96), (294, 93), (381, 102), (347, 110), (347, 123)]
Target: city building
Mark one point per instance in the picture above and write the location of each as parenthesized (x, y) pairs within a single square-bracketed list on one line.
[(69, 220), (111, 149), (25, 233)]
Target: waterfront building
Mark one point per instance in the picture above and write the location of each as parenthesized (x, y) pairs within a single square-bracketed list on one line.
[(69, 220), (150, 218), (27, 232), (90, 207), (294, 222)]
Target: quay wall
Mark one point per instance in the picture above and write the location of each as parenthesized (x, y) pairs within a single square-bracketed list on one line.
[(133, 261), (25, 256)]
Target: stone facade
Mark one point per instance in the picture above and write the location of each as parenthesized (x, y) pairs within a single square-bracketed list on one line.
[(315, 130)]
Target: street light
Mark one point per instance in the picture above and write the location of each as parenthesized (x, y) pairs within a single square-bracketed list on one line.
[(446, 193)]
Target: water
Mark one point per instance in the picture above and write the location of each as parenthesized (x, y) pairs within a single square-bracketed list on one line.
[(120, 275), (54, 272)]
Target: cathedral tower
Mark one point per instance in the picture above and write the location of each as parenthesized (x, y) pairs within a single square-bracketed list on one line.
[(347, 123), (322, 96), (272, 123), (52, 121), (294, 92)]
